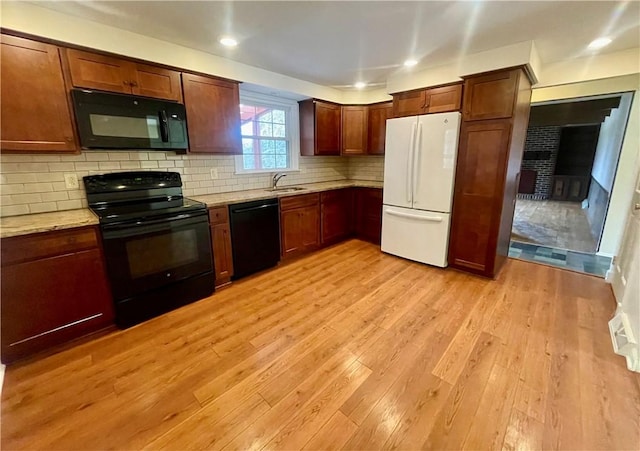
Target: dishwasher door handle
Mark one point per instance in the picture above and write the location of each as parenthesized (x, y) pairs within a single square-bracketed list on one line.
[(259, 207)]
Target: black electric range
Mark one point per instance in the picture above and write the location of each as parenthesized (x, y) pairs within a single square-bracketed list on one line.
[(156, 242)]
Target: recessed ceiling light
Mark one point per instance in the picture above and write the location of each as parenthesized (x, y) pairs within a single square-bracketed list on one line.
[(410, 63), (228, 42), (599, 43), (360, 84)]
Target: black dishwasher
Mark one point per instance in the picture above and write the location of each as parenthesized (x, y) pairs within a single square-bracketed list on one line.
[(255, 236)]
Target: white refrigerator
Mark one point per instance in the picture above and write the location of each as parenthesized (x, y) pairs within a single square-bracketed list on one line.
[(419, 172)]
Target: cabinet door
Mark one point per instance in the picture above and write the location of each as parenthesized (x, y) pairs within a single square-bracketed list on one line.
[(35, 110), (490, 96), (411, 103), (369, 214), (377, 127), (93, 71), (152, 81), (43, 305), (335, 215), (310, 227), (222, 256), (291, 232), (478, 196), (327, 128), (444, 99), (354, 130), (213, 115)]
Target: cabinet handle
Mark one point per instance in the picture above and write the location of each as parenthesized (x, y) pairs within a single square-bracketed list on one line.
[(133, 83), (125, 82), (68, 138)]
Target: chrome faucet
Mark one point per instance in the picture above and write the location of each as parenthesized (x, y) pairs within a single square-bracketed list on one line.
[(276, 178)]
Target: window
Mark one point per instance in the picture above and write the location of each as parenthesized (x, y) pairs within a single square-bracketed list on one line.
[(269, 127)]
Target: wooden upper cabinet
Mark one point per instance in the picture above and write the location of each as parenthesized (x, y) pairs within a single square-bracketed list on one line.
[(443, 99), (35, 110), (410, 103), (428, 100), (153, 81), (490, 96), (320, 132), (93, 71), (108, 73), (377, 127), (213, 115), (354, 130)]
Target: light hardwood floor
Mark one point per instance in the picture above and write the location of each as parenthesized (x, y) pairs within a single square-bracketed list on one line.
[(347, 348)]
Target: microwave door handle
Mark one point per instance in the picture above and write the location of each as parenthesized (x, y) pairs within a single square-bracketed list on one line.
[(164, 126)]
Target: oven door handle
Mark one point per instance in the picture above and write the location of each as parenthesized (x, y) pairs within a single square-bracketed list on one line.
[(121, 229), (164, 126)]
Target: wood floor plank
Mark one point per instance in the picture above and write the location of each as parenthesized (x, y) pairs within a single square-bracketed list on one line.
[(347, 347)]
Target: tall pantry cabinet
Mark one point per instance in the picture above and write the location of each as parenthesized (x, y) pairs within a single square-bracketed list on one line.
[(495, 115)]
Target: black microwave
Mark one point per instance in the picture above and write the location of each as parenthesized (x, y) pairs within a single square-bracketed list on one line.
[(120, 121)]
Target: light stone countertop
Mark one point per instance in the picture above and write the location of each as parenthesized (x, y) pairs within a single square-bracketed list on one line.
[(46, 222), (68, 219), (234, 197)]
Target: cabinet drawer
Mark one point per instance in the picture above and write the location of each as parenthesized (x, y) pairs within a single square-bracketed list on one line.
[(218, 215), (287, 203), (31, 247)]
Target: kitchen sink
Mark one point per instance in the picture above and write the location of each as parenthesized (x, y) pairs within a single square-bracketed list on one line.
[(287, 189)]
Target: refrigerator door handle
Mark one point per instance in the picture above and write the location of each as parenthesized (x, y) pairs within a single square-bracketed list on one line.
[(410, 216), (416, 165), (410, 164)]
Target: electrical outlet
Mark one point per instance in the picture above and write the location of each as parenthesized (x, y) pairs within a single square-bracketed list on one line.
[(214, 173), (71, 181)]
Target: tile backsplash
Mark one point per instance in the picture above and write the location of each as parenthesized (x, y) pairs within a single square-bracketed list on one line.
[(35, 183)]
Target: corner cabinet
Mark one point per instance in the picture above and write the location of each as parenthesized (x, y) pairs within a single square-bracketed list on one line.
[(354, 130), (299, 224), (213, 115), (440, 99), (335, 213), (35, 107), (378, 113), (54, 289), (488, 168), (320, 128), (221, 242)]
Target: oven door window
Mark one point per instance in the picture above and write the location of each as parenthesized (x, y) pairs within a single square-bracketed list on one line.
[(146, 257)]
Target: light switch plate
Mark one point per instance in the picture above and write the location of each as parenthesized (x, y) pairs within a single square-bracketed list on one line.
[(214, 173), (71, 181)]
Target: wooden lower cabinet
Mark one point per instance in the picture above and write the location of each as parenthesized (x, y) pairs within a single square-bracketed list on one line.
[(336, 218), (368, 212), (299, 224), (221, 243), (54, 289)]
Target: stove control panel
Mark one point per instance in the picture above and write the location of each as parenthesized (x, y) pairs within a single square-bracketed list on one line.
[(131, 181)]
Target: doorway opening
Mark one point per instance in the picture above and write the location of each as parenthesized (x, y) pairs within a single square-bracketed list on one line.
[(568, 169)]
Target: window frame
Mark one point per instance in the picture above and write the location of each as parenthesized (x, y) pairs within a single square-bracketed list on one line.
[(292, 127)]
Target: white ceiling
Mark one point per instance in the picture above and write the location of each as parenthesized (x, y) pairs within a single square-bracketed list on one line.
[(338, 43)]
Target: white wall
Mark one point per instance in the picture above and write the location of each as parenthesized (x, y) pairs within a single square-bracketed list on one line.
[(610, 143)]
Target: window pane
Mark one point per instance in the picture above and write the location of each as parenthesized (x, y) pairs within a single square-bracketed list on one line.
[(279, 131), (267, 146), (278, 117), (249, 161), (247, 112), (281, 147), (268, 161), (247, 146), (247, 128), (265, 129), (265, 117), (281, 161)]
